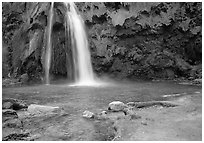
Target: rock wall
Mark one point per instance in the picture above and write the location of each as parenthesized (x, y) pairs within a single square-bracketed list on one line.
[(148, 40), (127, 40), (25, 39)]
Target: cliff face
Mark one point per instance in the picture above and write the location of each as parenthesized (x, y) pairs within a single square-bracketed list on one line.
[(127, 40), (149, 40), (25, 39)]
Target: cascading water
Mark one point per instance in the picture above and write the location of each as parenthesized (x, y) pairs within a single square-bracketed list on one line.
[(80, 49), (49, 46)]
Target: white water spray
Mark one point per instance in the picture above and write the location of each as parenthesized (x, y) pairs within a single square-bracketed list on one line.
[(84, 75), (49, 46)]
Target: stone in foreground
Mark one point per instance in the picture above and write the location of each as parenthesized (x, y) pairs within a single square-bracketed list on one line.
[(116, 106), (8, 114), (7, 105), (39, 110), (15, 104)]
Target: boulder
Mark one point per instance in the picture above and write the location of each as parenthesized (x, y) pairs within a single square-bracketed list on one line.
[(7, 105), (14, 123), (8, 114), (15, 104), (116, 106), (40, 110), (88, 114)]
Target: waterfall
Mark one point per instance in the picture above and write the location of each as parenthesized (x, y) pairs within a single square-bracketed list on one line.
[(49, 46), (83, 71)]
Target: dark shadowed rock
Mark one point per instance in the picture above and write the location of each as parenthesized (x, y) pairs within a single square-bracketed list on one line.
[(16, 137), (16, 104), (10, 127)]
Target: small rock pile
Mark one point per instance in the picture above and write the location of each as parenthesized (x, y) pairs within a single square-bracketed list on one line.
[(116, 108)]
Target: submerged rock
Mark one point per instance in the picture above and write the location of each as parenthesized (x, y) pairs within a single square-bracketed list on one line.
[(88, 114), (116, 106)]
